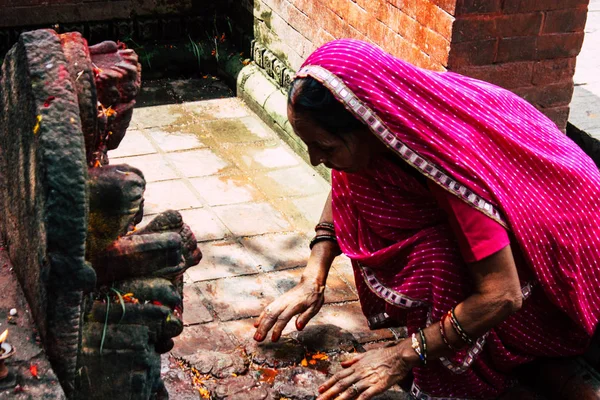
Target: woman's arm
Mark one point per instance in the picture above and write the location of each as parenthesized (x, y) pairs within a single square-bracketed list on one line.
[(323, 253), (496, 295), (306, 298)]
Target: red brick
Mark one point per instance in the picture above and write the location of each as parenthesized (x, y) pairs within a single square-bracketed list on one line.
[(377, 8), (442, 22), (509, 75), (480, 52), (516, 6), (340, 7), (551, 71), (306, 6), (472, 28), (387, 16), (429, 41), (376, 32), (332, 23), (436, 46), (517, 49), (477, 6), (355, 34), (558, 115), (547, 96), (480, 27), (429, 15), (359, 18), (323, 37), (565, 21), (397, 45), (559, 45), (406, 26), (511, 25), (300, 22), (401, 48), (448, 6)]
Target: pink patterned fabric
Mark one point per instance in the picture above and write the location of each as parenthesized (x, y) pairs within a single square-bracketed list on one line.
[(500, 155), (477, 235)]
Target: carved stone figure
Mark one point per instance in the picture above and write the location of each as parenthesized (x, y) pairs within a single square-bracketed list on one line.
[(107, 297)]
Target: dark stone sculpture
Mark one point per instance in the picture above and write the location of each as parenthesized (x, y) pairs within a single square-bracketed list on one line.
[(107, 298)]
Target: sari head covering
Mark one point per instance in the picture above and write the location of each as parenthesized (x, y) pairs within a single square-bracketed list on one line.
[(501, 156)]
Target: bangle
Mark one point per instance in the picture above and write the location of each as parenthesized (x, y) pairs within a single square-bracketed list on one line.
[(422, 334), (321, 238), (417, 348), (326, 226), (459, 330), (443, 333)]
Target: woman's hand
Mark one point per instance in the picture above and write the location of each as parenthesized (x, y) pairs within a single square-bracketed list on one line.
[(371, 373), (305, 299)]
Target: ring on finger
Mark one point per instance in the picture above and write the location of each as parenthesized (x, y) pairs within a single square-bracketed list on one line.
[(354, 388)]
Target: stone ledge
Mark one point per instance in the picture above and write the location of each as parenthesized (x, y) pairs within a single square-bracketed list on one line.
[(266, 98)]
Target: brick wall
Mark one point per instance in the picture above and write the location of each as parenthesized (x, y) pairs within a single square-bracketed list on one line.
[(19, 13), (527, 46), (418, 31)]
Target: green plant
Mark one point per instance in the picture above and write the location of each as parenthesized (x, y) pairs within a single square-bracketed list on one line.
[(105, 323), (145, 55), (198, 51), (107, 312)]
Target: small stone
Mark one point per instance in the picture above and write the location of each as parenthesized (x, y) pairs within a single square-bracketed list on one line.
[(284, 353), (13, 312), (234, 385), (298, 383), (255, 393), (220, 365)]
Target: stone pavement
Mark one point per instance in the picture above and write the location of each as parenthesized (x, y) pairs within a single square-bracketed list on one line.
[(585, 105), (252, 204)]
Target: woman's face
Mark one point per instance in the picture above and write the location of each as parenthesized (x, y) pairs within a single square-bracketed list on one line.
[(348, 152)]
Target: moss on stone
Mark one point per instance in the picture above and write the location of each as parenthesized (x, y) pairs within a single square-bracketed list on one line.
[(266, 17)]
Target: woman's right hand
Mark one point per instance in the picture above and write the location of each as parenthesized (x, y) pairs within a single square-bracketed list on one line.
[(305, 299)]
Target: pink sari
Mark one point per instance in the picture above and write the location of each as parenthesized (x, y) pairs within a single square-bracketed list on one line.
[(501, 156)]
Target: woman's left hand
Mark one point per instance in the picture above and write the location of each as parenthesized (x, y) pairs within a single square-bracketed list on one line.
[(369, 374)]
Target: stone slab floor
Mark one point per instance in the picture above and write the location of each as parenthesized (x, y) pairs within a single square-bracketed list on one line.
[(252, 204)]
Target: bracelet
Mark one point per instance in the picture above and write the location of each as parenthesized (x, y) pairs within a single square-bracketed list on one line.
[(417, 348), (459, 330), (422, 334), (326, 226), (443, 333), (321, 238)]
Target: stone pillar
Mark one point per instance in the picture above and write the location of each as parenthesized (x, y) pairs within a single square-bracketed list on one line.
[(526, 46), (529, 47)]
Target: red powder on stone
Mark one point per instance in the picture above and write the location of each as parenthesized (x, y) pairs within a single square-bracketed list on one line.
[(48, 101)]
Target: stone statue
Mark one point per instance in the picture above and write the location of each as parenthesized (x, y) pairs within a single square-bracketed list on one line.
[(106, 296)]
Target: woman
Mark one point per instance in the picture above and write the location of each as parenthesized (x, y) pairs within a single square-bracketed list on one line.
[(468, 216)]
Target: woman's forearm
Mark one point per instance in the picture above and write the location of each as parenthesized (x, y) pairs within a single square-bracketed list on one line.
[(323, 253), (497, 295)]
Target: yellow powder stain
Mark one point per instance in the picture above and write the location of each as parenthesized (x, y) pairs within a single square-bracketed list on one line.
[(36, 128)]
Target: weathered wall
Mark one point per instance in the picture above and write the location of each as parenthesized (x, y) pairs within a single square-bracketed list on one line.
[(528, 46), (419, 32), (44, 12)]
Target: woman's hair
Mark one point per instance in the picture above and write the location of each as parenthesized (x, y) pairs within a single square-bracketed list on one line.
[(307, 95)]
